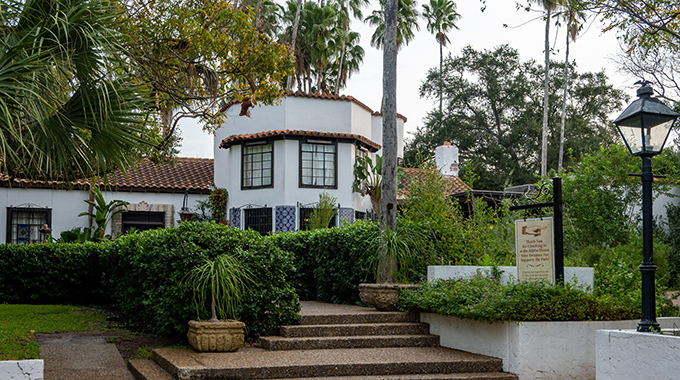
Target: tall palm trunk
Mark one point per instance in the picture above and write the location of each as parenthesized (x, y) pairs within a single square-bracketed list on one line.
[(296, 23), (388, 199), (441, 73), (564, 106), (342, 60), (544, 139)]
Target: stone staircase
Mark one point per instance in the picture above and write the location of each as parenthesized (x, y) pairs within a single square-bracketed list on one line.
[(332, 342)]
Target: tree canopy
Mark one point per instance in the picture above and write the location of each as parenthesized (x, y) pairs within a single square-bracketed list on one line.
[(493, 108), (195, 56), (67, 110)]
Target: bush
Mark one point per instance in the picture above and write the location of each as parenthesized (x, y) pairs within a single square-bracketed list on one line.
[(330, 262), (51, 274), (483, 298), (145, 271)]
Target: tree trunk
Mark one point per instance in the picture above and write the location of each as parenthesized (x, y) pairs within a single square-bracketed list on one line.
[(441, 78), (294, 37), (388, 199), (342, 60), (544, 140), (564, 106)]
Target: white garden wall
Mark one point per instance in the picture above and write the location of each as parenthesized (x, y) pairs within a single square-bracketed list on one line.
[(584, 276), (532, 350), (633, 355)]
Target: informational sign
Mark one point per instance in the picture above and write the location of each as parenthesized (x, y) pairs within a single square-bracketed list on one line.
[(535, 250)]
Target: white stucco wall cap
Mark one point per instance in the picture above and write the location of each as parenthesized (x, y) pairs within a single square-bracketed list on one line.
[(296, 133)]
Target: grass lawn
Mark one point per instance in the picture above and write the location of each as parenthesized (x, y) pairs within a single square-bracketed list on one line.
[(18, 324)]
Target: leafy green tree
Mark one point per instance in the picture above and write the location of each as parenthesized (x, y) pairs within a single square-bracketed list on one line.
[(407, 23), (602, 201), (493, 115), (650, 34), (441, 17), (67, 109), (194, 56)]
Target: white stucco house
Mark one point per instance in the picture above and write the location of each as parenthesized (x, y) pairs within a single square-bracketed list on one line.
[(276, 163)]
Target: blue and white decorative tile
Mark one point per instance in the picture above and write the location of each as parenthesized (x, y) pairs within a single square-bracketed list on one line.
[(346, 215), (235, 217), (285, 218)]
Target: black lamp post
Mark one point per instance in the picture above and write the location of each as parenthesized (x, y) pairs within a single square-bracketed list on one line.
[(185, 214), (644, 127)]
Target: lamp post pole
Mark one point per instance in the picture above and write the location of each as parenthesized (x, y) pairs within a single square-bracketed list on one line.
[(648, 321)]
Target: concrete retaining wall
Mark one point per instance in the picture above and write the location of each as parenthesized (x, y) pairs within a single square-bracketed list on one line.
[(633, 355), (21, 370), (532, 350)]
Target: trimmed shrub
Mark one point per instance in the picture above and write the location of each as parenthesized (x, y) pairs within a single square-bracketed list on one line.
[(145, 273), (51, 274), (330, 262)]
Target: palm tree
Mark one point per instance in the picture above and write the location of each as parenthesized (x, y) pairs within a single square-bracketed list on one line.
[(573, 14), (293, 39), (407, 22), (549, 6), (67, 111), (441, 16), (350, 62), (345, 6)]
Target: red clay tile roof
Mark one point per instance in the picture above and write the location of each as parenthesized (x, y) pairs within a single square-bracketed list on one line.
[(195, 174), (280, 134), (300, 94), (454, 184)]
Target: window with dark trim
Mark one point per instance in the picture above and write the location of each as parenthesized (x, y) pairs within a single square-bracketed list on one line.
[(24, 224), (142, 220), (257, 165), (258, 219), (305, 213), (318, 163)]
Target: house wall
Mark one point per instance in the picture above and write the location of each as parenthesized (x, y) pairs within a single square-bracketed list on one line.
[(67, 204)]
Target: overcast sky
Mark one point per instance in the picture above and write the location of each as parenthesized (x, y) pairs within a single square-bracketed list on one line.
[(525, 32)]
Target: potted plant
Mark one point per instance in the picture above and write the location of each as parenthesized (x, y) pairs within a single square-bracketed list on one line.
[(222, 281), (393, 251)]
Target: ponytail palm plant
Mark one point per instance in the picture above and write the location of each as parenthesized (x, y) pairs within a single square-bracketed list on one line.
[(222, 281)]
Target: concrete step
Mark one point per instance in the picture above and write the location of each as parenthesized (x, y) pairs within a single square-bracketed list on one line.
[(361, 341), (147, 370), (355, 329), (257, 363), (429, 376), (320, 313)]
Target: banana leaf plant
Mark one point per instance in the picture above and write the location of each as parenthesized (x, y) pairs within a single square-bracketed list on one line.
[(368, 179), (104, 211)]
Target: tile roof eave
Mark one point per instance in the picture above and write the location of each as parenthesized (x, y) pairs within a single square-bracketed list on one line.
[(283, 134)]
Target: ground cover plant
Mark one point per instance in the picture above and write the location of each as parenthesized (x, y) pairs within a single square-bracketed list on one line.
[(21, 322), (484, 298)]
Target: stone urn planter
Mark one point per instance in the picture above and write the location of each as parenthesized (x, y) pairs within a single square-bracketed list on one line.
[(221, 336), (382, 296)]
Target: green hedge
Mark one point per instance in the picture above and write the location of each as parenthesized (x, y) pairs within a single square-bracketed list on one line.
[(51, 274), (145, 271), (330, 262)]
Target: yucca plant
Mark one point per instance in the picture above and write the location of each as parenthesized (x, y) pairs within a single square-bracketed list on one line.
[(221, 280)]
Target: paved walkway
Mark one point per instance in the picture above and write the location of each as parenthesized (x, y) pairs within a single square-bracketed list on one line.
[(82, 358)]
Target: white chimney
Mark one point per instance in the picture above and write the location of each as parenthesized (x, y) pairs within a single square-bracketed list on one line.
[(446, 157)]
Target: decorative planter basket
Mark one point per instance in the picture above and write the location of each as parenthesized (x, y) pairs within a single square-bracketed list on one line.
[(223, 336), (382, 296)]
